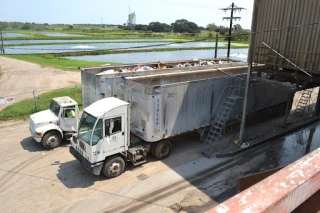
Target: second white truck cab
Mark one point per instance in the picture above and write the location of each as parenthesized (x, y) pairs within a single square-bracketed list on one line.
[(60, 121)]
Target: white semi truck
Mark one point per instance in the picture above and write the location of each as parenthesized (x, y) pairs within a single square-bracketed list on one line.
[(50, 126), (114, 132)]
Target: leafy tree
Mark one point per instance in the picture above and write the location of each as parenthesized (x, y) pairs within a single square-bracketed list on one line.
[(222, 30), (3, 25), (184, 26), (180, 26), (70, 27), (212, 27), (141, 27), (159, 27), (239, 35), (166, 27), (26, 26)]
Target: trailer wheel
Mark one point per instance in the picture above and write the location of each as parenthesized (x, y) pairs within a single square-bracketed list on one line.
[(162, 149), (152, 148), (51, 140), (113, 167)]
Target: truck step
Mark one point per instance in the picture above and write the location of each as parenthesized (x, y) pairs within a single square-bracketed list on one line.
[(139, 162)]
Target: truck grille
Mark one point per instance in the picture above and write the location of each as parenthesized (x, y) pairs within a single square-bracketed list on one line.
[(82, 146)]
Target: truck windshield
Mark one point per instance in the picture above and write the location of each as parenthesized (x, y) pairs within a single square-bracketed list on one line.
[(86, 125), (54, 107)]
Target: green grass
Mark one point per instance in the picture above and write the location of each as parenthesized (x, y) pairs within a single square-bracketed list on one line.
[(238, 44), (49, 60), (23, 109)]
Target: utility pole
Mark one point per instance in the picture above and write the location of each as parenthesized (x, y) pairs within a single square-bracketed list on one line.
[(233, 8), (2, 49)]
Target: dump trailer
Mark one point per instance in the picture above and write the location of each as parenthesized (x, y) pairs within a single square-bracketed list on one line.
[(114, 132), (99, 82)]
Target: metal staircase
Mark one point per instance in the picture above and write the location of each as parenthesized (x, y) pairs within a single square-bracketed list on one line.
[(213, 132), (303, 102)]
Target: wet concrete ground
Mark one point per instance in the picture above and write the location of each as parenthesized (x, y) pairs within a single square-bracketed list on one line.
[(273, 154)]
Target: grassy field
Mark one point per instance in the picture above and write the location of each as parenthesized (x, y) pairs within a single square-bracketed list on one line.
[(23, 109), (49, 60)]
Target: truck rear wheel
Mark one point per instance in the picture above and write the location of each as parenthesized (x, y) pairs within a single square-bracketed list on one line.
[(163, 149), (51, 140), (113, 167)]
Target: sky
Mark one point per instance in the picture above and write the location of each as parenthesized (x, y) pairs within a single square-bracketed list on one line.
[(202, 12)]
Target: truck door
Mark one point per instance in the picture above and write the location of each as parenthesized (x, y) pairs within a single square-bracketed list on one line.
[(69, 119), (114, 135)]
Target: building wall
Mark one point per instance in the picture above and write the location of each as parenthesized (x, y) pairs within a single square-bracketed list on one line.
[(278, 23), (132, 19)]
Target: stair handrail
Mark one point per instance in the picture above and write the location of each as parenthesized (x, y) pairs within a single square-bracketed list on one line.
[(233, 92), (213, 110), (235, 78)]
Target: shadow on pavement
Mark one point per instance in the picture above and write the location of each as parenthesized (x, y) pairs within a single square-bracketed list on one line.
[(31, 145), (73, 175)]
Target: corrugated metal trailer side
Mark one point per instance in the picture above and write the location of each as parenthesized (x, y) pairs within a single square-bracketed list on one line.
[(289, 26), (165, 106), (97, 84)]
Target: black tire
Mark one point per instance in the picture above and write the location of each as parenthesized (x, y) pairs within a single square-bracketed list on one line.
[(113, 166), (163, 149), (51, 140), (152, 148)]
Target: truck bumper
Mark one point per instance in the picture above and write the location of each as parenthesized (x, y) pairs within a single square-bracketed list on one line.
[(35, 137), (93, 168)]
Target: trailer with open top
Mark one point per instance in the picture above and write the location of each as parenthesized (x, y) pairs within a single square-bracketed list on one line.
[(114, 132)]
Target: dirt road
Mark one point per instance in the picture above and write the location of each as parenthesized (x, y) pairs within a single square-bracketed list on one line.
[(20, 78)]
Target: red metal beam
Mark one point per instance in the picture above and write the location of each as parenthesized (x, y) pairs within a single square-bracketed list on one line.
[(283, 191)]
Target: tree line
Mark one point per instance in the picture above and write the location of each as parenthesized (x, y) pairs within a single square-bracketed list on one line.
[(179, 26), (185, 26)]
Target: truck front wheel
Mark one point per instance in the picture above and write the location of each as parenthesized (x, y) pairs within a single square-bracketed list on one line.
[(51, 140), (163, 149), (113, 166)]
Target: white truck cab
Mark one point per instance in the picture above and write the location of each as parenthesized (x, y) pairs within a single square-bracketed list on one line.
[(104, 143), (60, 121)]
